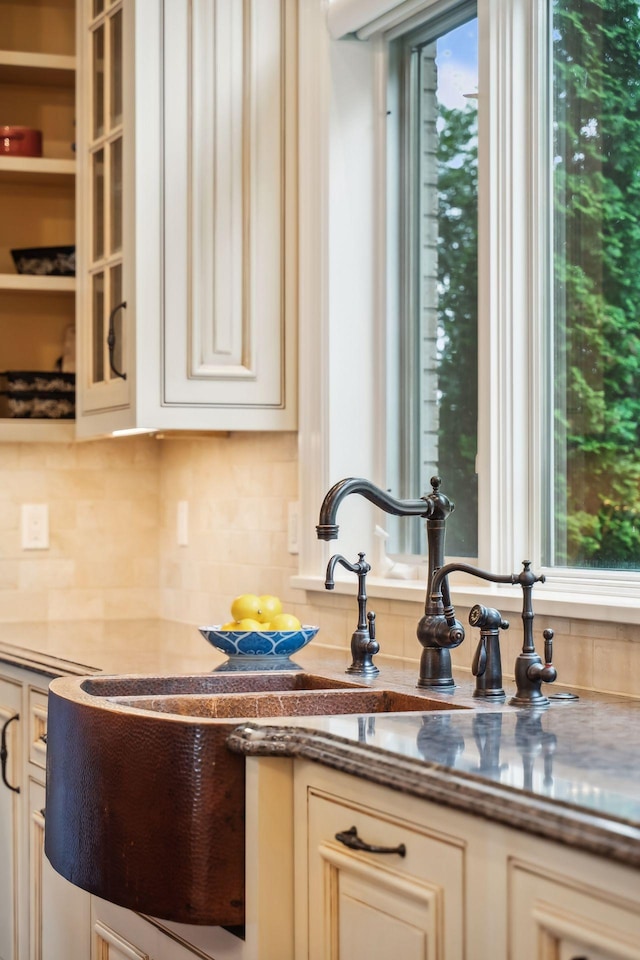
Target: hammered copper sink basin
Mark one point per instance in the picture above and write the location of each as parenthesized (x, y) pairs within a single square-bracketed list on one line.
[(145, 804)]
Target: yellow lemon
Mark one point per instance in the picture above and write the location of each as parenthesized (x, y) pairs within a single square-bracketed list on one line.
[(247, 624), (246, 605), (231, 625), (270, 607), (285, 621)]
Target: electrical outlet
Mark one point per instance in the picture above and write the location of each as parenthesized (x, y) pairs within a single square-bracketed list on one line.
[(182, 523), (35, 526)]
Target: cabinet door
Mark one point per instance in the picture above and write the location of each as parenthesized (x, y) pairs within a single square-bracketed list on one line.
[(104, 125), (362, 904), (561, 918), (119, 934), (10, 829), (230, 193), (59, 912)]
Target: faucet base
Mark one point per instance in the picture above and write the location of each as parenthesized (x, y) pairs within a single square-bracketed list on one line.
[(532, 700), (494, 693), (435, 669), (363, 671)]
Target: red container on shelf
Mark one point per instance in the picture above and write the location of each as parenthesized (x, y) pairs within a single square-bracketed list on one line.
[(20, 142)]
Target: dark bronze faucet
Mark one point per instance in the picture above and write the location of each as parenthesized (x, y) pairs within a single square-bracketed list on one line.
[(364, 645), (327, 528), (438, 630), (435, 663), (530, 671)]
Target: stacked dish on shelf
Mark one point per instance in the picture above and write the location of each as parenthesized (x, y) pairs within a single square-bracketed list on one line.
[(37, 394)]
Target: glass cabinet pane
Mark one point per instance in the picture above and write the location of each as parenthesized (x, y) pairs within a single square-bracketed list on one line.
[(116, 196), (98, 7), (97, 328), (98, 204), (98, 82), (116, 70)]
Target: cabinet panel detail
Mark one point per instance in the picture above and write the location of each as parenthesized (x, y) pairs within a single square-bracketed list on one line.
[(224, 247), (36, 848), (363, 904), (38, 727), (108, 945), (562, 919), (378, 912)]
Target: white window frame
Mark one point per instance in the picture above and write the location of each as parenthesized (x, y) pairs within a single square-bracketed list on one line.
[(342, 296)]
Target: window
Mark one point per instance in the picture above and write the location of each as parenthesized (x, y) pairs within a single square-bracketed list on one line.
[(432, 317), (557, 217), (595, 460)]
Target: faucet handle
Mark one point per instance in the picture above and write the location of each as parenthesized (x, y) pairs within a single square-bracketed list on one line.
[(548, 646)]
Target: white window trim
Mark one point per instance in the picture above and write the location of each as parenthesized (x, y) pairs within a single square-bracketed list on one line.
[(342, 296)]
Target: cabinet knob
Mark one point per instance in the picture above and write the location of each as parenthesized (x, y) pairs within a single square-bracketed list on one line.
[(351, 839)]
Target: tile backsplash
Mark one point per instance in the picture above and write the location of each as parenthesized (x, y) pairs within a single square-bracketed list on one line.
[(114, 549), (103, 556)]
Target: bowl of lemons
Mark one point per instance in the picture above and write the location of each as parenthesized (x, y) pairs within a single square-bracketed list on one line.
[(260, 635)]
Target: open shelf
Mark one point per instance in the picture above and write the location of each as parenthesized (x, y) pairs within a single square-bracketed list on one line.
[(36, 169), (38, 431), (37, 68), (20, 281)]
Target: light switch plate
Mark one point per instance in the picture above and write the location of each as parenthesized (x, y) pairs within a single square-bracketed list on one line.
[(292, 528), (35, 526)]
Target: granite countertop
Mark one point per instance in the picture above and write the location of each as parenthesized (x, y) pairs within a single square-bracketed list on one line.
[(570, 772)]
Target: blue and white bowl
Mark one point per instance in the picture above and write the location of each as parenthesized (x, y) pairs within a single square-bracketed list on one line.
[(257, 649)]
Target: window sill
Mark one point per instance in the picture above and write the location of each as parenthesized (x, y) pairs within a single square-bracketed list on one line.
[(575, 605)]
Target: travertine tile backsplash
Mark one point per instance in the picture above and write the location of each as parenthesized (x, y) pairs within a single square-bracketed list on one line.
[(103, 557), (114, 553)]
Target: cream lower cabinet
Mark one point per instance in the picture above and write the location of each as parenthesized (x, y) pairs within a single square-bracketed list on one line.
[(11, 838), (465, 887), (42, 916), (379, 884), (119, 934), (556, 917)]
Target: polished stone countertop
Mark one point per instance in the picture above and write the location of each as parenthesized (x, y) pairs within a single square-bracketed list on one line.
[(570, 772)]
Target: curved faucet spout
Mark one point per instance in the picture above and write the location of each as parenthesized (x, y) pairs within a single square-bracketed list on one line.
[(327, 528)]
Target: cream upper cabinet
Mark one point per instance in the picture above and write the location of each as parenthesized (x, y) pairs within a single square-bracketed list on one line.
[(187, 215)]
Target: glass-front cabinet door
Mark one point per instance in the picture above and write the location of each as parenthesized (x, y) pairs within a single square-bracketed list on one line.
[(105, 315)]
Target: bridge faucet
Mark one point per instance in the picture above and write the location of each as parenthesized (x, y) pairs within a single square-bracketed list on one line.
[(530, 671)]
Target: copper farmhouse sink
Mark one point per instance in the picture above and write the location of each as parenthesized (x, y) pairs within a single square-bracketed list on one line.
[(145, 804)]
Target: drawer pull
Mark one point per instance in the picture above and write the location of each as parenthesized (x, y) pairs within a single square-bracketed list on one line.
[(351, 839), (4, 753), (43, 737)]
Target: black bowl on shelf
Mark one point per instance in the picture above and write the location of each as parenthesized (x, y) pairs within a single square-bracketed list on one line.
[(46, 261)]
